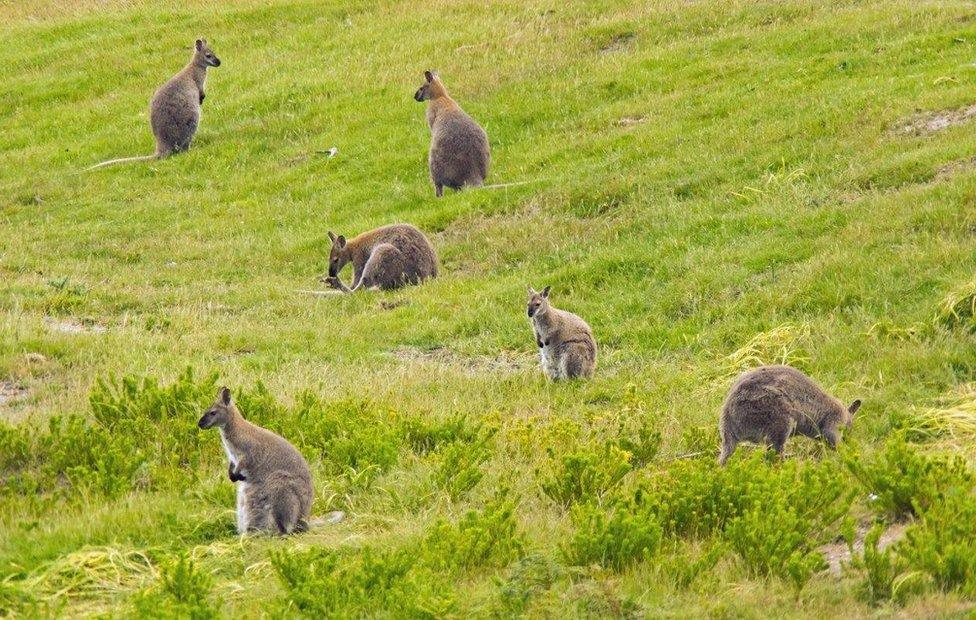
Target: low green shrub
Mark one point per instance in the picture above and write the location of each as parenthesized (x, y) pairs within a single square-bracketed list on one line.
[(904, 481), (527, 578), (586, 474), (774, 538), (614, 538), (425, 437), (459, 467), (881, 567), (489, 537), (325, 583), (943, 543), (684, 566), (183, 591)]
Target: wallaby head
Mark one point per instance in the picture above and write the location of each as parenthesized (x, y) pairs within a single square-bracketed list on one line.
[(203, 56), (219, 413), (538, 302), (432, 88), (851, 410), (339, 256)]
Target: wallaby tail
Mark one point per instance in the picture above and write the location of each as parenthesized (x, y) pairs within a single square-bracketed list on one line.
[(121, 160), (515, 184), (336, 516)]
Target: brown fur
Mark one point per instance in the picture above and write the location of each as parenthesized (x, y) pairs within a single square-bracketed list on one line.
[(174, 111), (567, 349), (459, 152), (771, 403), (387, 257), (274, 490)]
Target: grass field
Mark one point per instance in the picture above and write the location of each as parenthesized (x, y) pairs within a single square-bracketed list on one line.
[(712, 185)]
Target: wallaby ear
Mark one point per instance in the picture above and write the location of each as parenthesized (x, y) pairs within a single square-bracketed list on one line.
[(530, 290), (854, 407), (341, 241), (225, 396), (332, 236), (545, 292), (429, 76), (199, 44)]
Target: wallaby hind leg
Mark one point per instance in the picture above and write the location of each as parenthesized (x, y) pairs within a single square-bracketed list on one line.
[(728, 448), (779, 434), (384, 269), (285, 512)]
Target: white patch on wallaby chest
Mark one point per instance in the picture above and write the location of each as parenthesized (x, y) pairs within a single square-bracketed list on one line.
[(230, 454)]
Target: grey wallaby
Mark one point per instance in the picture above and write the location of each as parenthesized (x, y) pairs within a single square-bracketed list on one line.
[(387, 257), (771, 403), (567, 349), (274, 485), (459, 153), (174, 111)]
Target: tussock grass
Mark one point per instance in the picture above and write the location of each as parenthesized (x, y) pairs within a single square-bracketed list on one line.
[(90, 574), (952, 423), (783, 344), (958, 309)]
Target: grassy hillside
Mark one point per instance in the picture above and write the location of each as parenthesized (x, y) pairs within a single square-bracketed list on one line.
[(712, 186)]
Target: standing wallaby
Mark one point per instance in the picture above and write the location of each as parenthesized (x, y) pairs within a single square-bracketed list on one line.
[(566, 345), (383, 258), (459, 152), (174, 111), (770, 403), (274, 486)]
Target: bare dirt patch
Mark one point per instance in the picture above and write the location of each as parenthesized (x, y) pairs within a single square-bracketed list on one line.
[(931, 122), (955, 167), (74, 326), (10, 391), (618, 42), (837, 554), (505, 361), (630, 121)]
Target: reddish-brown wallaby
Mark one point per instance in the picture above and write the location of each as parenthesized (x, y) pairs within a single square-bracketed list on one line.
[(274, 485), (459, 153), (567, 349), (174, 111), (387, 257), (771, 403)]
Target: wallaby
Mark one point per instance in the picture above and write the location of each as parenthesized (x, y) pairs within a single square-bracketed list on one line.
[(770, 403), (566, 345), (174, 111), (274, 486), (459, 153), (383, 258)]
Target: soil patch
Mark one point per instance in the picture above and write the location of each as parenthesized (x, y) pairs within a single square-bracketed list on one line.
[(837, 554), (505, 361), (931, 122), (74, 326), (10, 391)]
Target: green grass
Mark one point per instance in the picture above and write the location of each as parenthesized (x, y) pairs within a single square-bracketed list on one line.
[(714, 186)]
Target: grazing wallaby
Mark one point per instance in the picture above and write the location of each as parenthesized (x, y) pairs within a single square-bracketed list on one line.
[(459, 152), (274, 486), (383, 258), (770, 403), (174, 112), (566, 345)]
